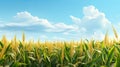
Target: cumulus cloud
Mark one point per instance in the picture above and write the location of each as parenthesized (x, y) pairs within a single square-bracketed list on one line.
[(95, 16), (27, 18), (92, 21)]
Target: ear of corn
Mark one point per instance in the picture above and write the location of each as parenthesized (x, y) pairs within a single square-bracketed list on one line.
[(115, 32), (106, 39)]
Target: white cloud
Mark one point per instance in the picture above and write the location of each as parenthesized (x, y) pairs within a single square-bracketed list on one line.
[(92, 21), (75, 19), (25, 21), (27, 18), (91, 13), (61, 27)]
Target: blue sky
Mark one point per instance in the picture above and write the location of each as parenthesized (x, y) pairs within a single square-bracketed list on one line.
[(58, 19)]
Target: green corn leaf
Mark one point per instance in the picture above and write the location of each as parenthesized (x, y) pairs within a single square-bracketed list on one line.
[(117, 47), (1, 44), (17, 64), (117, 63), (110, 56)]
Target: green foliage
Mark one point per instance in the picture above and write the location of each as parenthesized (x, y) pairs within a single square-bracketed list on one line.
[(58, 54)]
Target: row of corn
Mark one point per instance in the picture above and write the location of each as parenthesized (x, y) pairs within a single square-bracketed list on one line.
[(83, 53)]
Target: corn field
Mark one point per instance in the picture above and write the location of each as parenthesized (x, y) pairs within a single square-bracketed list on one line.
[(83, 53)]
